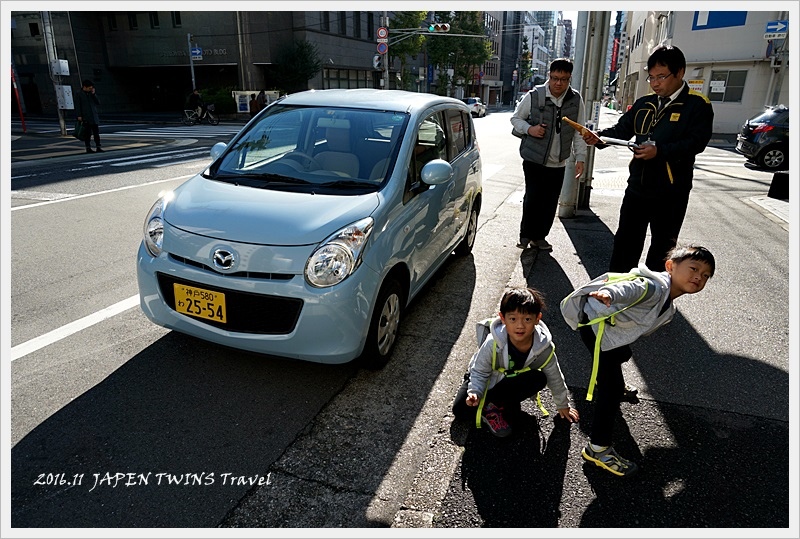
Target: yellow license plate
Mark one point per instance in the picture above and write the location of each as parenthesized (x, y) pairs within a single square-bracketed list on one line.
[(199, 302)]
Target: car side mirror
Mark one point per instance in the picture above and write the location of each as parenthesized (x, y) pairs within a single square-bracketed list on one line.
[(217, 149), (436, 171)]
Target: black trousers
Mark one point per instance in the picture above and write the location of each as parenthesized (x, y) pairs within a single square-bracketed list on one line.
[(610, 386), (94, 131), (542, 189), (665, 216), (508, 393)]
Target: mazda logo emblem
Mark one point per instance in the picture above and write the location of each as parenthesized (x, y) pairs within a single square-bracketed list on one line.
[(223, 259)]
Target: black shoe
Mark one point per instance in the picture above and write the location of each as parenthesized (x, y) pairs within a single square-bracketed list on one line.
[(99, 150), (89, 150)]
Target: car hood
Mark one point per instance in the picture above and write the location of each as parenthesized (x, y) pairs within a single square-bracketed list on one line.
[(261, 216)]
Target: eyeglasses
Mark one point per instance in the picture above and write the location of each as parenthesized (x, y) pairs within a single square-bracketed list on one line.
[(658, 78), (562, 81)]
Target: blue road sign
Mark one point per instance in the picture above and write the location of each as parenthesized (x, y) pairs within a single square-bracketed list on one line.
[(197, 53), (777, 26)]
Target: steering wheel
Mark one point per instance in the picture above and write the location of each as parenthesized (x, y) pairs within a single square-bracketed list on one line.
[(306, 160)]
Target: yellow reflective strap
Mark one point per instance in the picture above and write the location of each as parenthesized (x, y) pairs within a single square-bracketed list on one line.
[(541, 406), (596, 360)]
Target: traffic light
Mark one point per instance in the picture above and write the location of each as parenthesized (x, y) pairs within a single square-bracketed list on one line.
[(377, 61), (438, 27)]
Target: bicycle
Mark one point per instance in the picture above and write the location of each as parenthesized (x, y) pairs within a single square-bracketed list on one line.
[(190, 116)]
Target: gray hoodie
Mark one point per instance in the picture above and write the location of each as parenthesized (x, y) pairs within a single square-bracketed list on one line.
[(641, 319), (481, 376)]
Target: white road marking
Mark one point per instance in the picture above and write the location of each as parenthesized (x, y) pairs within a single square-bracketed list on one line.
[(63, 332), (87, 195)]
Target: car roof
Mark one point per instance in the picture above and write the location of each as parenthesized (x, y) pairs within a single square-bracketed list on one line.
[(369, 98)]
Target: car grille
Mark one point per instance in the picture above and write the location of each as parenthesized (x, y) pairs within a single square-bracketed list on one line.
[(244, 274), (246, 312)]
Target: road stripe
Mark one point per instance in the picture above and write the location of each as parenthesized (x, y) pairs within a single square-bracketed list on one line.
[(87, 195), (63, 332)]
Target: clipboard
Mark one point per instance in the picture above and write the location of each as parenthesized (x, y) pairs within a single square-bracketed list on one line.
[(603, 140)]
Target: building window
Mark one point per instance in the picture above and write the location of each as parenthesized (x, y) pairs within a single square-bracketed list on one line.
[(346, 78), (112, 22), (133, 24), (357, 24), (34, 26), (370, 24), (343, 23), (326, 21), (154, 20), (176, 19), (727, 86)]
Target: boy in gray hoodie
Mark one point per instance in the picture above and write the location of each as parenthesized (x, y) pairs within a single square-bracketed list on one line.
[(642, 305), (515, 362)]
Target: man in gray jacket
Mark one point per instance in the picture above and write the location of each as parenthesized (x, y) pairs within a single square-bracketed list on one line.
[(547, 143)]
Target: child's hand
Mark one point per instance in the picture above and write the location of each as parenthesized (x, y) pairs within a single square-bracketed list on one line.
[(570, 414), (472, 399), (602, 296)]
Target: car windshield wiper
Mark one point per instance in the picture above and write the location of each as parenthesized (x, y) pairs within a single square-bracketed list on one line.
[(266, 178), (343, 184)]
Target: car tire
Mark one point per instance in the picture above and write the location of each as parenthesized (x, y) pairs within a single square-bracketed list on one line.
[(773, 158), (465, 246), (383, 326)]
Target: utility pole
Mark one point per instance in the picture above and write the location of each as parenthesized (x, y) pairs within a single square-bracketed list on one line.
[(53, 63), (386, 85), (191, 62), (568, 199)]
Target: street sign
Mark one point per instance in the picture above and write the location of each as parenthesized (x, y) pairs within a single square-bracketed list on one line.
[(197, 53), (383, 40), (382, 48), (776, 29), (383, 33)]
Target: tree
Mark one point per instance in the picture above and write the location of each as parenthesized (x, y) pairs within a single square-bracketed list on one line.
[(404, 46), (463, 54), (298, 63)]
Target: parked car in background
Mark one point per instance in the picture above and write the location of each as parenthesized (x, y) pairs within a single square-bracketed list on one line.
[(476, 106), (313, 229), (764, 139)]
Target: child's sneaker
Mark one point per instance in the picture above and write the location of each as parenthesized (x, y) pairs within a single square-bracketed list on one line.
[(610, 460), (492, 417)]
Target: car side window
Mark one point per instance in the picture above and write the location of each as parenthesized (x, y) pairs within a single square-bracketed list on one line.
[(458, 130), (431, 143)]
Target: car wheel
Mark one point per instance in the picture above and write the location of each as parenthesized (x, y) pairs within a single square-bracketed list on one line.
[(773, 158), (383, 326), (465, 246)]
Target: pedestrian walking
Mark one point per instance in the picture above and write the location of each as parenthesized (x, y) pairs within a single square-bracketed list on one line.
[(639, 306), (671, 126), (262, 100), (254, 108), (514, 363), (86, 110), (546, 144)]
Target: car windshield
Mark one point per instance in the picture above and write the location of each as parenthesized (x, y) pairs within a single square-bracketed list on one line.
[(320, 149)]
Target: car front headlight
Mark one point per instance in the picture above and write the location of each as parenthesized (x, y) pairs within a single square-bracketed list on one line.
[(154, 226), (338, 256)]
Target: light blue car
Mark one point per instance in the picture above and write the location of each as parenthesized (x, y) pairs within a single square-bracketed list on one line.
[(314, 228)]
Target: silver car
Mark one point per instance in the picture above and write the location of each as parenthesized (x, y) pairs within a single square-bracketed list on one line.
[(313, 229)]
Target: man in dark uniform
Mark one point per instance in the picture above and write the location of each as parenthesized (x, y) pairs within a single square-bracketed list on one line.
[(671, 126)]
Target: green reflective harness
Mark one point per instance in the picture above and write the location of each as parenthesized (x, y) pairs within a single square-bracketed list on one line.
[(511, 374), (601, 324)]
